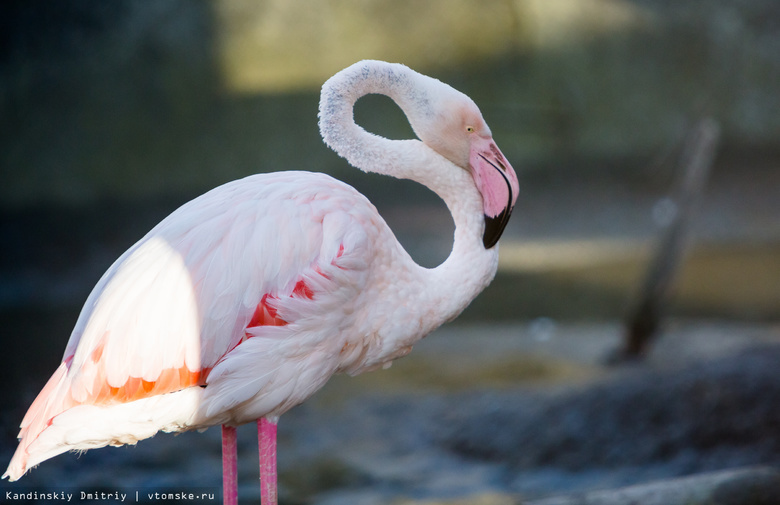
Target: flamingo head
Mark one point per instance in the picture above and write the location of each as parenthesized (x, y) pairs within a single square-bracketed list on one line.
[(453, 126)]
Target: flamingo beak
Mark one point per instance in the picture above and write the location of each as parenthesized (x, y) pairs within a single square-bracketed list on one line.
[(497, 182)]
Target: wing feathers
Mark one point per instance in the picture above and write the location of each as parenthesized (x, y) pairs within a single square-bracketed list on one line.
[(172, 311)]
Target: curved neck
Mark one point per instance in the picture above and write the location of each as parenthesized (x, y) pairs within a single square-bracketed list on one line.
[(470, 267), (364, 150)]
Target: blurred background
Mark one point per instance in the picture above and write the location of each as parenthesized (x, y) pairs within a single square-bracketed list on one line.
[(112, 114)]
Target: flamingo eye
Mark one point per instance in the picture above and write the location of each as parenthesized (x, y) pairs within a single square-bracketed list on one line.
[(469, 129)]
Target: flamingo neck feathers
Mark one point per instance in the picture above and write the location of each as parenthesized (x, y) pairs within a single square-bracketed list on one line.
[(451, 286)]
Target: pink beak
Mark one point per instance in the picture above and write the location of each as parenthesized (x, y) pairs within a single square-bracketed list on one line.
[(497, 182)]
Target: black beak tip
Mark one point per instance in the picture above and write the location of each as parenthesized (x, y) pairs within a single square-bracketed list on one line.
[(494, 227)]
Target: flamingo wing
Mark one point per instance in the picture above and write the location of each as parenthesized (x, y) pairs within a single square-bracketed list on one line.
[(265, 256)]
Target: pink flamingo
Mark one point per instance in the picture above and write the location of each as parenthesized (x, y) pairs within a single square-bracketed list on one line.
[(243, 302)]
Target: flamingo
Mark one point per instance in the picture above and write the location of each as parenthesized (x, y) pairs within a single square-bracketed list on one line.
[(246, 300)]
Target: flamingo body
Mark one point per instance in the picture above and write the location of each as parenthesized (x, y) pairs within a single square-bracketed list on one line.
[(290, 254), (243, 302)]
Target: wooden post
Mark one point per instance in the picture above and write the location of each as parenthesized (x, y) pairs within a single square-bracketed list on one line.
[(644, 319)]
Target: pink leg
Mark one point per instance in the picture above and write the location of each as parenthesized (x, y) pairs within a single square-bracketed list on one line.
[(266, 436), (229, 466)]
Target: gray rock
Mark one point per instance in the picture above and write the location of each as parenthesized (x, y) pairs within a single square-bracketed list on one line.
[(640, 423), (751, 486)]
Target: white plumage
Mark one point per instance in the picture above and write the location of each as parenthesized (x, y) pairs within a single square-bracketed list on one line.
[(243, 302)]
